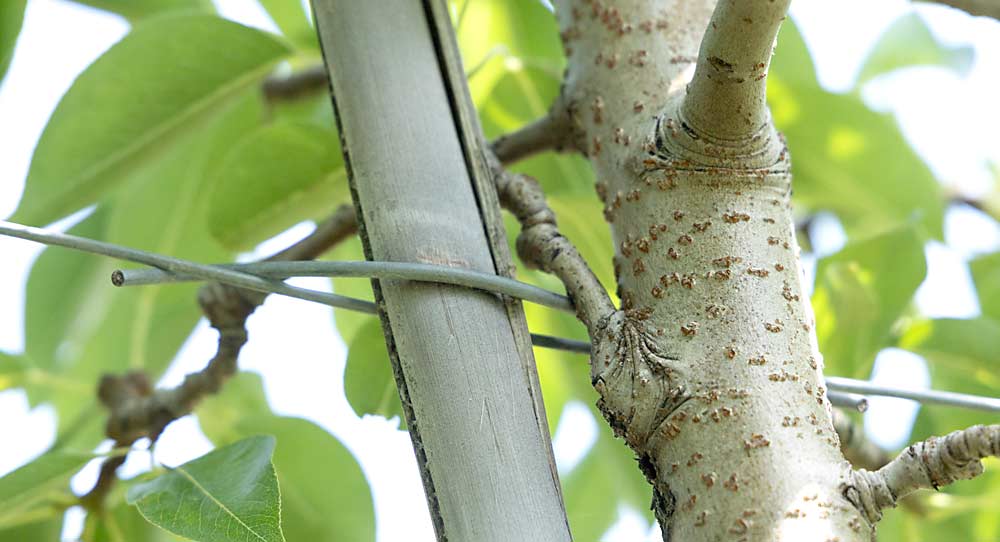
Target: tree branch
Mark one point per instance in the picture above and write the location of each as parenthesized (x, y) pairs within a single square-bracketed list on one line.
[(341, 225), (551, 132), (860, 451), (540, 244), (726, 98), (933, 463), (138, 411), (311, 80), (979, 8)]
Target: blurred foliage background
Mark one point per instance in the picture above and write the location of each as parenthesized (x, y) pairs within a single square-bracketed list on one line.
[(168, 139)]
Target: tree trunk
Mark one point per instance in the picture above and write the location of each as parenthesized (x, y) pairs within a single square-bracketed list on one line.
[(460, 357), (710, 371)]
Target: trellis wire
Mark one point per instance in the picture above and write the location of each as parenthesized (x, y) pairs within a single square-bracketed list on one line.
[(842, 391), (379, 270), (843, 399), (923, 396), (175, 265)]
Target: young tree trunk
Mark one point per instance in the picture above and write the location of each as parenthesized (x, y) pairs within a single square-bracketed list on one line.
[(710, 371), (461, 358)]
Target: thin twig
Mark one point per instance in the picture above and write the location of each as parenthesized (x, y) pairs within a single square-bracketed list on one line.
[(560, 343), (865, 454), (311, 80), (138, 411), (931, 464), (550, 132), (540, 244), (856, 447)]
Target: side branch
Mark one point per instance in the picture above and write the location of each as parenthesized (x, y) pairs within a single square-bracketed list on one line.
[(860, 451), (726, 98), (138, 411), (540, 244), (551, 132), (312, 80), (933, 463)]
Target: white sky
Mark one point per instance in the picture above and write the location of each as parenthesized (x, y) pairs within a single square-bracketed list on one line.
[(955, 136)]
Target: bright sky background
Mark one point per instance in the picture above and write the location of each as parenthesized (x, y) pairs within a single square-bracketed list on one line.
[(950, 120)]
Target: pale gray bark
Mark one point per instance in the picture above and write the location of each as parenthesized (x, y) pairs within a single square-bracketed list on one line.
[(710, 372), (726, 98), (458, 355)]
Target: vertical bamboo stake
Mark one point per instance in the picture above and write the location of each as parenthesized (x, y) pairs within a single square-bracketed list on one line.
[(468, 399)]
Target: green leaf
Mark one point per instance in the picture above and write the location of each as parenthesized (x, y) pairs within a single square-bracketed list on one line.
[(592, 496), (242, 396), (515, 65), (909, 42), (135, 10), (316, 109), (11, 17), (123, 523), (986, 275), (860, 293), (29, 493), (967, 344), (324, 494), (954, 353), (368, 381), (62, 294), (293, 21), (520, 96), (490, 32), (273, 178), (12, 368), (847, 158), (228, 494), (962, 357), (48, 529), (160, 84), (607, 476), (556, 368), (143, 328)]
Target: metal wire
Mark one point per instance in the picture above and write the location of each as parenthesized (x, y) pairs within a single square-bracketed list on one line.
[(847, 400), (175, 265), (168, 269), (380, 270), (976, 402)]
